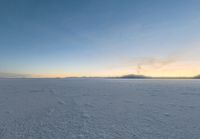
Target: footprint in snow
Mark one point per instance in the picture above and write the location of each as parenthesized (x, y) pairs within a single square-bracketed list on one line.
[(128, 101), (85, 95), (86, 116), (166, 114), (61, 102), (52, 92), (50, 111), (36, 91), (81, 136), (88, 105), (8, 112), (191, 106), (141, 104)]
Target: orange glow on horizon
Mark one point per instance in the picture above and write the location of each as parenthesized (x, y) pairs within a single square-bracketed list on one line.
[(178, 69)]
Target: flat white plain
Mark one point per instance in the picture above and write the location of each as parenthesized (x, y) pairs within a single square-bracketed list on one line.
[(99, 109)]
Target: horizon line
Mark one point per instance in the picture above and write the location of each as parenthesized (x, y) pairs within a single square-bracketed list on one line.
[(129, 76)]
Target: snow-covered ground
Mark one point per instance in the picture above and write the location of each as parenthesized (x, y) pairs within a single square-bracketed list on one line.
[(99, 109)]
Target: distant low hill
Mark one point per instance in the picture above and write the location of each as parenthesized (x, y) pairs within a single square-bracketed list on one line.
[(134, 76), (197, 77)]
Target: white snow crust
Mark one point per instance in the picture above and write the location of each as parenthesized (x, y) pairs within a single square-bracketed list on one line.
[(99, 109)]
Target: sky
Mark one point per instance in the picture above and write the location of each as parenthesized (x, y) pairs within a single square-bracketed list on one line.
[(64, 38)]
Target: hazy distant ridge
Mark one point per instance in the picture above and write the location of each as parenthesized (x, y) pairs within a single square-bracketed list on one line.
[(128, 76), (197, 77), (134, 76)]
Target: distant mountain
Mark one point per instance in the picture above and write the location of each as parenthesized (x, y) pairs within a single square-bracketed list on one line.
[(134, 76), (197, 77)]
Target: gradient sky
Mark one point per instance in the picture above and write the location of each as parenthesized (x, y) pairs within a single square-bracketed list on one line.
[(50, 38)]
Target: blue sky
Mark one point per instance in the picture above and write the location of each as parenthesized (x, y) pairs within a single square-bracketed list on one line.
[(99, 37)]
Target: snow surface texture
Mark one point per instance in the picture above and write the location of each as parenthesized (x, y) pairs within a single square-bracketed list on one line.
[(99, 109)]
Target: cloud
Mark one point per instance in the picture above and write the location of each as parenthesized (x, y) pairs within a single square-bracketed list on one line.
[(156, 63), (179, 59)]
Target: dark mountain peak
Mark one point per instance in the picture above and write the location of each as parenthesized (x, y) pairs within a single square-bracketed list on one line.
[(134, 76), (197, 77)]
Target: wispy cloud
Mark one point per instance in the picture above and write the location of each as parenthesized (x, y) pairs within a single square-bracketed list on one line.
[(182, 62), (156, 63)]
